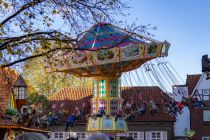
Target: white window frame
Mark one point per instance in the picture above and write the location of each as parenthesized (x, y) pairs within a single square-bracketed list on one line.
[(57, 136), (206, 138), (205, 94), (22, 93), (65, 135), (81, 135), (206, 115), (140, 135), (163, 135), (157, 135)]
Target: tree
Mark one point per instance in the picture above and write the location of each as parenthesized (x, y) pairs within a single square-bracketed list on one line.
[(40, 101), (47, 84), (26, 25)]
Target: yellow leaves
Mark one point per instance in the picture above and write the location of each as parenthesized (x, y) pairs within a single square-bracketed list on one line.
[(54, 12), (1, 55), (28, 49), (25, 13), (58, 42), (9, 50), (6, 5)]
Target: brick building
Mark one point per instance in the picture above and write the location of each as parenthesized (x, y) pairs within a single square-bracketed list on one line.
[(199, 87), (145, 127), (13, 95), (7, 79)]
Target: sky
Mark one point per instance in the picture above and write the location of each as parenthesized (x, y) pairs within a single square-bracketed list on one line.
[(183, 23)]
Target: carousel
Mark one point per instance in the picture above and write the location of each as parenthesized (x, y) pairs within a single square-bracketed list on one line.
[(104, 52)]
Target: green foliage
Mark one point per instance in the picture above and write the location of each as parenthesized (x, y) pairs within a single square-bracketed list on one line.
[(11, 111), (35, 22), (45, 83), (39, 100)]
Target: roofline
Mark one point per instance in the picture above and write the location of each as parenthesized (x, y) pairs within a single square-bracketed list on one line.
[(35, 130), (202, 75)]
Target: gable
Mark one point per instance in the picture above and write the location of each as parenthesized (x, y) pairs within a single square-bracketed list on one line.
[(191, 82), (202, 84)]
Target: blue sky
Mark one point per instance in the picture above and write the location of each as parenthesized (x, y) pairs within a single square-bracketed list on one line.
[(184, 23)]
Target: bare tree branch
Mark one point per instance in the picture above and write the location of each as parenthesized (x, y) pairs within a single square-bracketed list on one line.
[(22, 8)]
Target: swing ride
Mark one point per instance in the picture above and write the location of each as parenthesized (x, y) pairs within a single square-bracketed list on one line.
[(105, 52)]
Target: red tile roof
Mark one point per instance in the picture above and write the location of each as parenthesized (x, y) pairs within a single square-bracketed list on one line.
[(75, 96), (8, 124), (192, 81)]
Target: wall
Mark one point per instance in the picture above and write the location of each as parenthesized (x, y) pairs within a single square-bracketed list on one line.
[(134, 127)]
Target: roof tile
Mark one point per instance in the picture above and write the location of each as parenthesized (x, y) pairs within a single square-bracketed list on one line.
[(76, 96), (192, 81)]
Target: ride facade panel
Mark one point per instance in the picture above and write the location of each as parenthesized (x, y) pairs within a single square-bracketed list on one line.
[(105, 52)]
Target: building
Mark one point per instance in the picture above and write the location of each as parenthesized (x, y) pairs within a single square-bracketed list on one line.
[(20, 92), (159, 126), (13, 96), (7, 80), (199, 86)]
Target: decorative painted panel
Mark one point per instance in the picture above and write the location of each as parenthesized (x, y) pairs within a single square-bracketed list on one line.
[(113, 107), (102, 105), (102, 88), (119, 86), (113, 88), (95, 88), (132, 51), (93, 106)]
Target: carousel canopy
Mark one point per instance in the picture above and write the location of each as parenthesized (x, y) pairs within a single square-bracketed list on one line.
[(104, 35), (106, 50)]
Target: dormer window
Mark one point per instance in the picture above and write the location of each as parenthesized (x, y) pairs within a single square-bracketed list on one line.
[(20, 88)]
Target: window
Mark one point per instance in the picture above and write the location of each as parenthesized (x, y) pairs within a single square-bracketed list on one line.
[(59, 135), (56, 135), (136, 135), (206, 138), (22, 93), (206, 115), (83, 135), (156, 135), (113, 88), (80, 135), (102, 88), (205, 94)]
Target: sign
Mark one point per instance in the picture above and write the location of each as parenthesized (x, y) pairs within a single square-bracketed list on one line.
[(180, 91)]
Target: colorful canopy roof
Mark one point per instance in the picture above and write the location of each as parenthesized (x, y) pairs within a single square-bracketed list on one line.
[(105, 35), (106, 50)]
